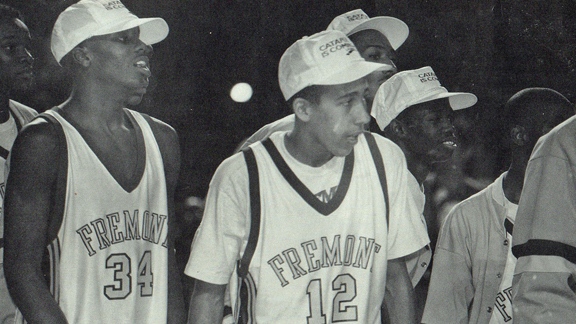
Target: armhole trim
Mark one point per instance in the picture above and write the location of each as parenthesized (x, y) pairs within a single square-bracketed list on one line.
[(377, 157)]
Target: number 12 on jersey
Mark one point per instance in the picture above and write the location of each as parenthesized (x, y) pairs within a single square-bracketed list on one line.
[(122, 267), (345, 286)]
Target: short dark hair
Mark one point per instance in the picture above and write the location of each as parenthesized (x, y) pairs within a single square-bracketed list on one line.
[(311, 93), (523, 107), (8, 14)]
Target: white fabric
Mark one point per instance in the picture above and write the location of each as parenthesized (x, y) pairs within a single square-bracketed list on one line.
[(111, 255), (88, 18), (325, 58), (411, 87), (418, 262), (503, 306), (351, 22), (288, 263)]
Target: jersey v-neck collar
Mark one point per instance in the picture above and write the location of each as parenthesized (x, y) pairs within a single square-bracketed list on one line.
[(324, 208), (132, 183)]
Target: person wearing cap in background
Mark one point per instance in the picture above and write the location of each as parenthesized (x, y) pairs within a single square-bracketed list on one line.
[(16, 75), (323, 250), (93, 182), (376, 39), (473, 262), (414, 111)]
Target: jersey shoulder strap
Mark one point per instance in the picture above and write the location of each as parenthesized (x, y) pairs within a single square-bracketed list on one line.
[(254, 189), (245, 306), (377, 157), (22, 114), (57, 208)]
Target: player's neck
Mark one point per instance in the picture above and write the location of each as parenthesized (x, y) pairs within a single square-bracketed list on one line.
[(514, 180), (93, 111), (417, 164), (419, 170), (304, 150)]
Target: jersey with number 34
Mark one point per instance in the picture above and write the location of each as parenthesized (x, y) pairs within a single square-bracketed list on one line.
[(109, 261)]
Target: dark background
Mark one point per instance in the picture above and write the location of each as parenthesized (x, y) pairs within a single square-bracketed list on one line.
[(492, 48)]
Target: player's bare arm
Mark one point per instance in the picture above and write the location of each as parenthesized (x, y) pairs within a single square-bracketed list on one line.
[(167, 139), (28, 224), (399, 299), (207, 303)]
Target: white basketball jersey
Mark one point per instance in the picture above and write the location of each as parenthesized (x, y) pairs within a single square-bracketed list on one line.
[(110, 259), (319, 262)]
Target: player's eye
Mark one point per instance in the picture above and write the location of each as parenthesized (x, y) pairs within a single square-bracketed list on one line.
[(8, 47)]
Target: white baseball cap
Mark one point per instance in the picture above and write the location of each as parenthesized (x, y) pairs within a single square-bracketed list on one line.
[(407, 88), (325, 58), (395, 30), (88, 18)]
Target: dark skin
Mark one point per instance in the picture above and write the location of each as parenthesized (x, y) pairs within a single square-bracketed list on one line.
[(107, 78), (548, 112), (15, 62), (425, 134)]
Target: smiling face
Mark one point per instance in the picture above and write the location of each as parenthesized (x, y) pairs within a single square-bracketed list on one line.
[(339, 118), (375, 47), (15, 58), (120, 61), (430, 134)]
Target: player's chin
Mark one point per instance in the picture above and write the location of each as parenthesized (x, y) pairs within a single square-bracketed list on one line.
[(442, 155), (21, 87), (344, 149), (135, 100)]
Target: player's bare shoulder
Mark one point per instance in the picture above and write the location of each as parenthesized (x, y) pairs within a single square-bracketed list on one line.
[(165, 134), (40, 136)]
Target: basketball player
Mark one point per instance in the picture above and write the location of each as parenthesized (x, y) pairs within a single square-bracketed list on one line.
[(376, 39), (413, 110), (94, 181), (544, 232), (324, 250), (15, 76), (473, 262)]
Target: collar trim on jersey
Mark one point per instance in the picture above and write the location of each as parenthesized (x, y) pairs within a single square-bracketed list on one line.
[(320, 206)]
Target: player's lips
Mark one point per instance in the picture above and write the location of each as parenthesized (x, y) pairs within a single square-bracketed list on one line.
[(353, 138), (450, 142), (143, 63)]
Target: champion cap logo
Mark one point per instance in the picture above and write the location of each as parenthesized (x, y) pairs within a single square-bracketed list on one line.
[(325, 58), (336, 45), (427, 76), (111, 5), (360, 16), (411, 87)]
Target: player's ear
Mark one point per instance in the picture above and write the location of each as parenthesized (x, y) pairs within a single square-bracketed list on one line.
[(397, 128), (302, 108), (80, 55), (519, 135)]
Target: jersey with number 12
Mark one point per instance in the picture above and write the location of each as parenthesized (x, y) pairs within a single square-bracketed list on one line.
[(109, 261), (326, 264)]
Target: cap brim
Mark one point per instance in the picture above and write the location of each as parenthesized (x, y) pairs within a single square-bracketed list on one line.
[(152, 30), (458, 100), (395, 30), (356, 70)]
